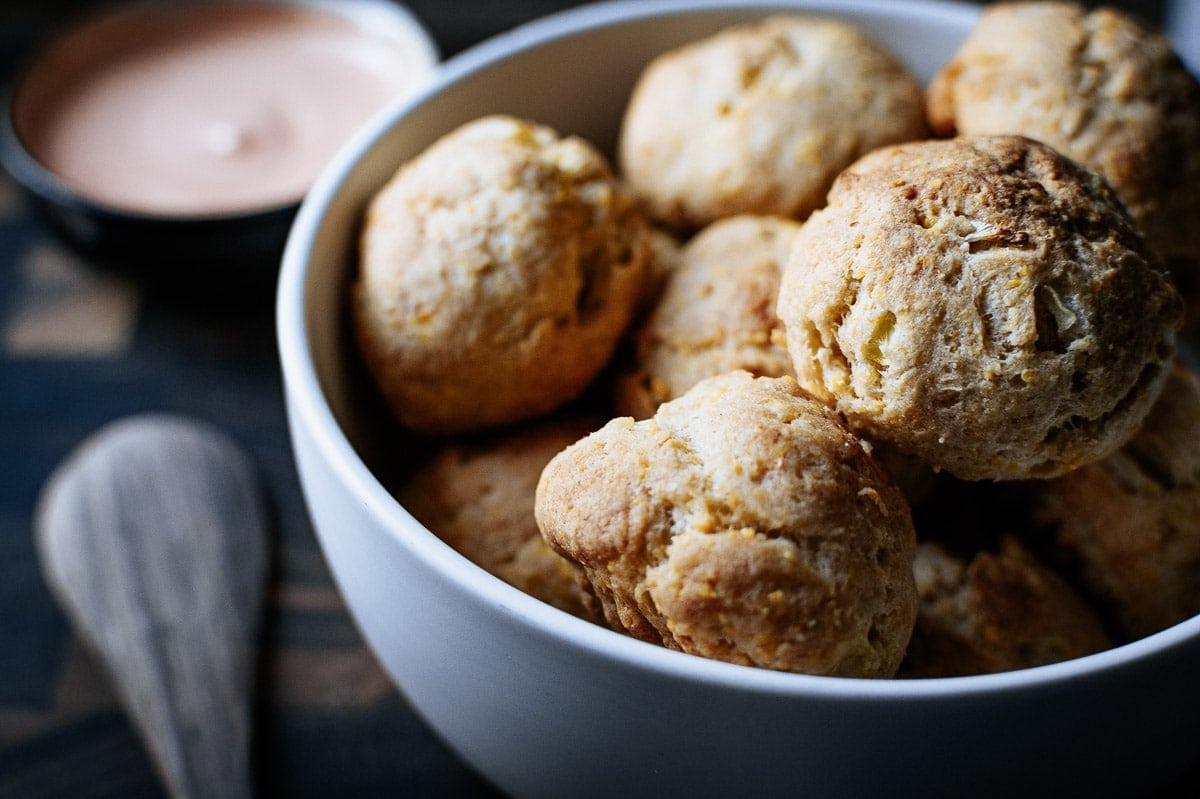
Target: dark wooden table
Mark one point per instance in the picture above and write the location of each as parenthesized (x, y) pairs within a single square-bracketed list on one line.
[(80, 347)]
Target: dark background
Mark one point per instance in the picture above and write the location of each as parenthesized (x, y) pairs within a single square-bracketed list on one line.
[(454, 23), (79, 348)]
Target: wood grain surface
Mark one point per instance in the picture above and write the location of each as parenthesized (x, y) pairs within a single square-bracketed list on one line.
[(153, 537)]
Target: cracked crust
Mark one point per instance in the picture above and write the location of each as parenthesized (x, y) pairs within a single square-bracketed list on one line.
[(1099, 88), (477, 496), (1130, 524), (498, 270), (997, 611), (982, 303), (716, 314), (744, 523), (760, 118)]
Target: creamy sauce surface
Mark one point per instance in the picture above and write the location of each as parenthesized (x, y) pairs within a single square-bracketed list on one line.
[(208, 109)]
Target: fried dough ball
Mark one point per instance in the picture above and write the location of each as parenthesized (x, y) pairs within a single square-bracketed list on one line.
[(995, 612), (1101, 89), (1130, 524), (716, 314), (498, 270), (477, 496), (760, 117), (982, 303), (744, 523)]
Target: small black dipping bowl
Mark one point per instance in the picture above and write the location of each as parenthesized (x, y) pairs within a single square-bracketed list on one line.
[(228, 258), (205, 255)]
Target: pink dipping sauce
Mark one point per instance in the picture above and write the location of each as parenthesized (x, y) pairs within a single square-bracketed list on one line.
[(205, 109)]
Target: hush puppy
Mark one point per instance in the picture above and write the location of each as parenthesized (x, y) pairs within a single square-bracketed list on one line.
[(1130, 524), (995, 611), (744, 523), (498, 270), (477, 496), (716, 313), (760, 117), (982, 303), (1100, 88)]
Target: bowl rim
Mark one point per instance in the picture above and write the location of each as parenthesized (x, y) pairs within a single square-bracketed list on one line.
[(47, 185), (311, 410)]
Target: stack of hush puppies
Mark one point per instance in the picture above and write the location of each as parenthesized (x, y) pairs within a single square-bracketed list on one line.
[(833, 373)]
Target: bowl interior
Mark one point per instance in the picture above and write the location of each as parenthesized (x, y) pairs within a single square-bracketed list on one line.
[(573, 71)]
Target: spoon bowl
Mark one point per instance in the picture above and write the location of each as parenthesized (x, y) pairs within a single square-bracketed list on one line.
[(153, 537)]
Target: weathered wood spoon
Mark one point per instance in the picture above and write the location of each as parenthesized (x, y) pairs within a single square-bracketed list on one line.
[(153, 536)]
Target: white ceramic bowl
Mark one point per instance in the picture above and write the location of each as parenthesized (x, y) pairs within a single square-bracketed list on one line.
[(544, 704)]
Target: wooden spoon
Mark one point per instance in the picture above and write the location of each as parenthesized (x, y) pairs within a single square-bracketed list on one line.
[(152, 534)]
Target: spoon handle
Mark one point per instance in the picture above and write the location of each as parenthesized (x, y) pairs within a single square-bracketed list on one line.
[(152, 535)]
